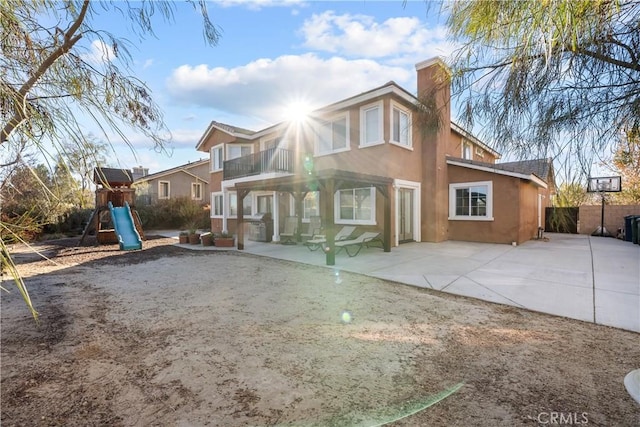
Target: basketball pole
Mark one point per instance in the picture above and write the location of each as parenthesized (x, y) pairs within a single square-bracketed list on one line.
[(602, 216)]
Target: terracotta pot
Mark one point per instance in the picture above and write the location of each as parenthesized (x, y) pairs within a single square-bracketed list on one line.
[(224, 242), (194, 239), (206, 239)]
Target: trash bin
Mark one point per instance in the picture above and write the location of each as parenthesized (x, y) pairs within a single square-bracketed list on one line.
[(628, 224), (635, 226)]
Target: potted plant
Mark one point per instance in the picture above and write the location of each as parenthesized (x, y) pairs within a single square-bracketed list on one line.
[(206, 239), (194, 236), (183, 238), (224, 240)]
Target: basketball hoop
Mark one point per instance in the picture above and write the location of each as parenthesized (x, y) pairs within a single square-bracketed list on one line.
[(603, 184)]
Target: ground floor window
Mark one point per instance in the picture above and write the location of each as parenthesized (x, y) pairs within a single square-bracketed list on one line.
[(356, 206), (311, 205), (265, 204), (217, 204), (471, 201), (247, 205)]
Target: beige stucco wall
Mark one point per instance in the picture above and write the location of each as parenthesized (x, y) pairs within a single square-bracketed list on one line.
[(506, 210), (590, 217)]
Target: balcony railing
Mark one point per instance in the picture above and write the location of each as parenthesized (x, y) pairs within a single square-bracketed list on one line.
[(267, 161)]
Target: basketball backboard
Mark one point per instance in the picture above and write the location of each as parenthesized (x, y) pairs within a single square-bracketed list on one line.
[(604, 184)]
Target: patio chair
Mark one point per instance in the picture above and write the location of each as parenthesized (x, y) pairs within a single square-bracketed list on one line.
[(290, 230), (365, 239), (319, 240), (315, 228)]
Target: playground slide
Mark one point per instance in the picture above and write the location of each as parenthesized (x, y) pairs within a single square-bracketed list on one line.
[(125, 228)]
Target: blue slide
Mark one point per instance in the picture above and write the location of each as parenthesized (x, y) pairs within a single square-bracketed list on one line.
[(125, 228)]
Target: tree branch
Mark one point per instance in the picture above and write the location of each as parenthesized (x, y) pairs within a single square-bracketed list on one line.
[(21, 105)]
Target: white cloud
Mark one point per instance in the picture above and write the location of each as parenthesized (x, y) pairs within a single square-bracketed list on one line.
[(148, 63), (362, 36), (99, 53), (261, 89)]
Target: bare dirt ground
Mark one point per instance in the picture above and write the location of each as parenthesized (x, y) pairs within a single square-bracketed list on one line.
[(166, 336)]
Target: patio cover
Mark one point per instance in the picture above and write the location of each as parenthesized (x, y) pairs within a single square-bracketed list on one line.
[(326, 181)]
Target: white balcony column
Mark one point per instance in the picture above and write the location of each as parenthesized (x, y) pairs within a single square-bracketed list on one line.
[(276, 216), (225, 209)]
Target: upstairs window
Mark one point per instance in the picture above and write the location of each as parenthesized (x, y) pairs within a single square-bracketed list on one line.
[(371, 131), (164, 190), (333, 136), (196, 191), (235, 151), (400, 126), (217, 158), (467, 152)]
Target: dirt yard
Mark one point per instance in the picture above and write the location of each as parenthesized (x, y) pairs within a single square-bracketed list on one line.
[(167, 336)]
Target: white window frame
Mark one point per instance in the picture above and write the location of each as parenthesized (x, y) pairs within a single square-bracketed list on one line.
[(229, 147), (452, 201), (220, 157), (465, 145), (307, 218), (363, 124), (333, 119), (336, 202), (160, 195), (233, 194), (407, 112), (215, 196), (195, 185)]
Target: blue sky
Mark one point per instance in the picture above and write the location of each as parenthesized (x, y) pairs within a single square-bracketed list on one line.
[(271, 54)]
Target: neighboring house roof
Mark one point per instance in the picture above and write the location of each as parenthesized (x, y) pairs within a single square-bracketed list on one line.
[(509, 169), (111, 176), (182, 168)]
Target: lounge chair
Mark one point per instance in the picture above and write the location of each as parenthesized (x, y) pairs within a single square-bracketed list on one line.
[(365, 239), (315, 228), (318, 241), (290, 230)]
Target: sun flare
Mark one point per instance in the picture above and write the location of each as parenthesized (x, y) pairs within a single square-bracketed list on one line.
[(297, 111)]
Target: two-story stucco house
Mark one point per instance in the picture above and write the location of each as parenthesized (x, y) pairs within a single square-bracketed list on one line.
[(377, 161)]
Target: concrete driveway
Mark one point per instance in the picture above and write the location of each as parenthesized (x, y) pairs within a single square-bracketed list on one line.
[(594, 279)]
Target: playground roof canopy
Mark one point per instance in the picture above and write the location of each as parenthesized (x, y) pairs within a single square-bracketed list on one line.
[(111, 177)]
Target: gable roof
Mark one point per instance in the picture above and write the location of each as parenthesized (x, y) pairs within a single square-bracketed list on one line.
[(507, 169), (111, 176), (235, 131), (182, 168), (390, 87)]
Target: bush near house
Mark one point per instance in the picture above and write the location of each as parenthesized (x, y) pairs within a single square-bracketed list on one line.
[(174, 213)]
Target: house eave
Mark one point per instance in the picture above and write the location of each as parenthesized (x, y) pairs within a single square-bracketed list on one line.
[(533, 178)]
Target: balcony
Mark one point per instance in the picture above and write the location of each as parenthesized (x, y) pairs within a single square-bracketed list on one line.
[(272, 160)]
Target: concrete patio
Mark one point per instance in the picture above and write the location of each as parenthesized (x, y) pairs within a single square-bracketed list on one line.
[(594, 279)]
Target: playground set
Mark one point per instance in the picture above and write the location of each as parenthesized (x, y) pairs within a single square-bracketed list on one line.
[(115, 219)]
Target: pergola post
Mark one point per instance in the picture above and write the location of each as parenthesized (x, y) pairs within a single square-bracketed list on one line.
[(386, 192), (329, 188), (241, 194)]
